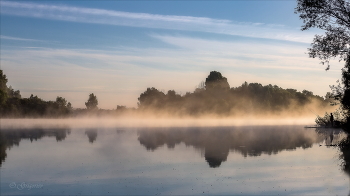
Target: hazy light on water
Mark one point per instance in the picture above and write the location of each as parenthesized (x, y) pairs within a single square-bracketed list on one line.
[(151, 122), (250, 160)]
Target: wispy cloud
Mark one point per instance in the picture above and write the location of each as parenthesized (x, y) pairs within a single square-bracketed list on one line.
[(123, 73), (186, 23), (53, 9), (17, 38), (4, 37)]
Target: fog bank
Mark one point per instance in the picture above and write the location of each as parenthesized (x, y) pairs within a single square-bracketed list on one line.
[(149, 122)]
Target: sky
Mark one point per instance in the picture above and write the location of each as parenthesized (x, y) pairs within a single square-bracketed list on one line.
[(117, 49)]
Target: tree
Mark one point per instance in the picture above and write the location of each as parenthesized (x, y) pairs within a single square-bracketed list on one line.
[(216, 81), (152, 98), (61, 102), (69, 106), (341, 92), (62, 106), (92, 102), (332, 16), (12, 93), (3, 88)]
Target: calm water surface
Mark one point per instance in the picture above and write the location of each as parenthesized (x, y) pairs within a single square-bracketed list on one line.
[(246, 160)]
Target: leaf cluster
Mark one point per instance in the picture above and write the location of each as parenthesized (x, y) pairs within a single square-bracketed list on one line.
[(332, 16)]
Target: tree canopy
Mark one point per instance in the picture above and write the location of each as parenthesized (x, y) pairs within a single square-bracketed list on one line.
[(3, 88), (249, 98), (92, 102), (216, 81), (332, 16), (216, 98)]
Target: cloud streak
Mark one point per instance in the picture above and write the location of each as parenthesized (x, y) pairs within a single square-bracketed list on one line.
[(101, 12), (18, 38), (146, 20), (120, 75)]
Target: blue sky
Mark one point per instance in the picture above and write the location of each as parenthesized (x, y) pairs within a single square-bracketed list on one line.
[(116, 49)]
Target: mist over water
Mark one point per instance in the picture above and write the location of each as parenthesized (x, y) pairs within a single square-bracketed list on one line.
[(150, 121), (216, 143), (108, 157), (212, 99)]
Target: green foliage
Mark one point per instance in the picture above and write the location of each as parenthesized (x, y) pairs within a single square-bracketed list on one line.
[(92, 102)]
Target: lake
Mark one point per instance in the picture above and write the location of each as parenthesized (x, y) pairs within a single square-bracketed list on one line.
[(170, 160)]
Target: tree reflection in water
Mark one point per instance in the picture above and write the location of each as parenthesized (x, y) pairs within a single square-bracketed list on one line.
[(92, 134), (332, 136), (215, 143), (12, 137), (218, 142), (344, 147)]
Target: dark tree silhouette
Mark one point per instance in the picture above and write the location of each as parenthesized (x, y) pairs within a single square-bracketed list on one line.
[(13, 93), (341, 93), (92, 102), (61, 102), (3, 88), (217, 98), (216, 81), (216, 143), (92, 134), (344, 155), (12, 137), (332, 16), (151, 98)]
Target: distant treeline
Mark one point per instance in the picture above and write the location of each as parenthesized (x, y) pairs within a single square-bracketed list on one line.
[(212, 97), (13, 105)]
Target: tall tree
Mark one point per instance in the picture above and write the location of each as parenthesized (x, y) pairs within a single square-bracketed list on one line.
[(341, 92), (92, 102), (332, 16), (216, 81)]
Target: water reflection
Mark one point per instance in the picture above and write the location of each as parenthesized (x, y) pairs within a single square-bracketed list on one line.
[(214, 143), (344, 147), (217, 142), (118, 163), (12, 137), (92, 134), (344, 155)]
